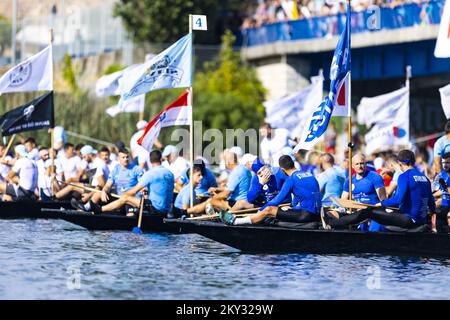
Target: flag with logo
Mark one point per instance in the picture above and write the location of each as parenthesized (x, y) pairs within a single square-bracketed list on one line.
[(178, 113), (135, 104), (33, 74), (292, 111), (388, 117), (445, 100), (442, 49), (34, 115), (337, 102), (169, 69)]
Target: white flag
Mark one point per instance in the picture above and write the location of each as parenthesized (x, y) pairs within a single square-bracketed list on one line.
[(169, 69), (382, 108), (445, 100), (108, 85), (178, 113), (33, 74), (199, 22), (292, 111), (389, 113), (135, 104), (442, 49)]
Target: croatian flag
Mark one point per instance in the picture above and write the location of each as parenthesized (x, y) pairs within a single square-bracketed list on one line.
[(337, 102), (178, 113)]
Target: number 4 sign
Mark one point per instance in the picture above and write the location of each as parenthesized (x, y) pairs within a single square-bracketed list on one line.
[(199, 22)]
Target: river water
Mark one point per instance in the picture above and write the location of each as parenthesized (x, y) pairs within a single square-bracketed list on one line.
[(50, 259)]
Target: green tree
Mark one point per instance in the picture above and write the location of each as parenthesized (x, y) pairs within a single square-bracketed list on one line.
[(69, 76), (5, 34), (228, 94), (165, 21)]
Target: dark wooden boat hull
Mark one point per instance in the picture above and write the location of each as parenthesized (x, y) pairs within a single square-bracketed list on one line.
[(150, 223), (265, 239), (30, 209)]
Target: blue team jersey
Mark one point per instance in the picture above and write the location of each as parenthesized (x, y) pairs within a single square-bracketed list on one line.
[(305, 191), (160, 183), (331, 183), (413, 196), (239, 183), (265, 193), (184, 196), (125, 178), (441, 146), (365, 189), (436, 186), (208, 181)]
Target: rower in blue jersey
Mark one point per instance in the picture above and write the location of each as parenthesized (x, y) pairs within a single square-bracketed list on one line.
[(122, 178), (441, 191), (413, 198), (159, 183), (266, 184), (367, 187), (208, 181), (331, 179), (301, 186)]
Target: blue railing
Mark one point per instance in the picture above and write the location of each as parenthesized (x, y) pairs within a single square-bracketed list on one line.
[(372, 20)]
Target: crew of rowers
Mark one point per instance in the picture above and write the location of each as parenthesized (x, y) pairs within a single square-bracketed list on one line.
[(292, 191)]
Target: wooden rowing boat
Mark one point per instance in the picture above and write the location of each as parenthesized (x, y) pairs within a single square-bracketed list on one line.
[(114, 221), (276, 239), (28, 209)]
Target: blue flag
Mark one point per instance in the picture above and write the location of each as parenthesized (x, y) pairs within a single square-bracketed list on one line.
[(339, 92), (172, 68)]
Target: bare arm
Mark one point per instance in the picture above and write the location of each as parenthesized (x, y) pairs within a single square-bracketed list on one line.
[(381, 192)]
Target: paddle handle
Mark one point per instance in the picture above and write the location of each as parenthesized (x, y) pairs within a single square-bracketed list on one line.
[(141, 210), (8, 147)]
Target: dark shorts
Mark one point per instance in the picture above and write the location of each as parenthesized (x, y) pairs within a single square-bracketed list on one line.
[(16, 192), (298, 216)]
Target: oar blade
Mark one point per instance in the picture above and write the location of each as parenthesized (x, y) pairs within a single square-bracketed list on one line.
[(137, 230)]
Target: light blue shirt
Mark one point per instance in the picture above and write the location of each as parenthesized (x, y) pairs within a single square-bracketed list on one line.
[(239, 183), (125, 178), (184, 197), (208, 181), (331, 183), (441, 147), (159, 182)]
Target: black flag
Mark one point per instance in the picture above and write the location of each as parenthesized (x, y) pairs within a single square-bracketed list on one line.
[(34, 115)]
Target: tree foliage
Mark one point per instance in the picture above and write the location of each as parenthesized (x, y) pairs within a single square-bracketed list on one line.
[(165, 21), (229, 94)]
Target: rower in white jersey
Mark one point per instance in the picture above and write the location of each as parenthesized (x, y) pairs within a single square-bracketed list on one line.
[(21, 181)]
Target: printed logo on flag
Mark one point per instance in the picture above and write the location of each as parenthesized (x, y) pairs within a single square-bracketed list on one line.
[(28, 112), (399, 132), (158, 70), (20, 74)]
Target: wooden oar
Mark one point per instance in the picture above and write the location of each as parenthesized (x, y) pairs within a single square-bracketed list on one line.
[(355, 204), (89, 189), (5, 153), (237, 213), (137, 230)]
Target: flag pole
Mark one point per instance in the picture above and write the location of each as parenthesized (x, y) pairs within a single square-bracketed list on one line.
[(191, 124), (349, 115), (52, 133)]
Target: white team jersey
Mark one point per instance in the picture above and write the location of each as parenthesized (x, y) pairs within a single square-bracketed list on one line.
[(5, 169), (69, 166), (103, 169), (178, 167), (41, 173), (271, 149), (28, 173)]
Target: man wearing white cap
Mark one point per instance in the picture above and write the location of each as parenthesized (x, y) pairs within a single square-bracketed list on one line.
[(22, 179), (174, 161), (138, 153)]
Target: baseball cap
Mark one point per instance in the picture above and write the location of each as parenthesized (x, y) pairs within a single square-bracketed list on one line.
[(248, 157), (141, 124), (87, 149), (168, 150), (20, 149)]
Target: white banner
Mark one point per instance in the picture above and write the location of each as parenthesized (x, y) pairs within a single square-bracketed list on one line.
[(292, 111), (442, 49), (135, 104), (445, 100), (391, 127), (33, 74)]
